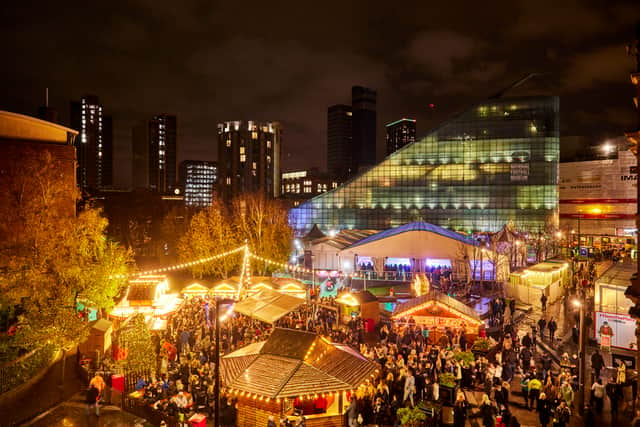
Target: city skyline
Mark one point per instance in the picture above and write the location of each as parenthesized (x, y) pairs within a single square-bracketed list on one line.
[(411, 63)]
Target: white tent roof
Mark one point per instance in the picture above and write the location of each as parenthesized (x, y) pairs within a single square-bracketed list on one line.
[(414, 240)]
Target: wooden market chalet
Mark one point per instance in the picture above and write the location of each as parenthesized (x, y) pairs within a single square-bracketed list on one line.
[(294, 370)]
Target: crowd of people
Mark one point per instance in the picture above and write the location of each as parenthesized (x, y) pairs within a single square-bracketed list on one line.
[(417, 365)]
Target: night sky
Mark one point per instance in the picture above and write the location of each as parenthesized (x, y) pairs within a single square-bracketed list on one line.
[(209, 61)]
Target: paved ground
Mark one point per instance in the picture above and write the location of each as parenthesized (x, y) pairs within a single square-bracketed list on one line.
[(73, 413)]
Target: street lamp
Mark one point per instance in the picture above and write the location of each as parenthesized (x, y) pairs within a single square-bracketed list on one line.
[(216, 389), (581, 356)]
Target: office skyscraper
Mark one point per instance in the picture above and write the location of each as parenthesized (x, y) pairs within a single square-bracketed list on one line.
[(339, 159), (163, 153), (248, 158), (155, 154), (94, 143), (363, 124), (400, 133), (199, 179)]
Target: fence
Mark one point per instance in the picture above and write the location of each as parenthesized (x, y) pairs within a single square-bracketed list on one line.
[(21, 370)]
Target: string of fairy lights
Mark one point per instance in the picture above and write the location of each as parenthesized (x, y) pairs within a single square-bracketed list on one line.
[(245, 271)]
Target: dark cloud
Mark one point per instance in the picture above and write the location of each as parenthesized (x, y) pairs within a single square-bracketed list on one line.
[(287, 61)]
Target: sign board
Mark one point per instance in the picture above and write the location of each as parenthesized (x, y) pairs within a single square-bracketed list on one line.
[(519, 171), (443, 322), (622, 326)]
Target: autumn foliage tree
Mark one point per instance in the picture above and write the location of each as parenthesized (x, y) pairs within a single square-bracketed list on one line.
[(50, 258), (254, 219), (210, 233), (263, 223)]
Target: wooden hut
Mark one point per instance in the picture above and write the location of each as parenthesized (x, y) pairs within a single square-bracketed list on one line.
[(363, 304), (294, 369), (437, 311), (99, 340)]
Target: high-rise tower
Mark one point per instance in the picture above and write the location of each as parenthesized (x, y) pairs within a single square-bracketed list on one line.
[(94, 144), (400, 133), (155, 153), (363, 124), (248, 158), (339, 159)]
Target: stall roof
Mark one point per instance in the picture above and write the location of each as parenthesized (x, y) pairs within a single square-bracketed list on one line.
[(415, 226), (102, 325), (293, 363), (361, 297), (619, 274), (195, 288), (415, 304), (344, 238), (268, 305)]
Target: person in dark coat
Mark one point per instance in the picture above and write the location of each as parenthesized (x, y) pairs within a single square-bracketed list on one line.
[(597, 363), (92, 400), (487, 412), (460, 408), (553, 327), (544, 410)]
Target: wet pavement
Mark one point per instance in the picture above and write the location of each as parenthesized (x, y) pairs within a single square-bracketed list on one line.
[(73, 413)]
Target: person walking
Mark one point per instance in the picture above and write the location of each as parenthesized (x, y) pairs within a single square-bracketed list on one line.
[(92, 400), (524, 384), (597, 395), (597, 363), (460, 408), (562, 415), (534, 386), (543, 302), (544, 410), (553, 327), (567, 393), (542, 323), (409, 387), (488, 412)]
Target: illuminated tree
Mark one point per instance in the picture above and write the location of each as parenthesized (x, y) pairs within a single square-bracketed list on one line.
[(135, 339), (50, 258), (263, 223), (210, 233), (254, 219)]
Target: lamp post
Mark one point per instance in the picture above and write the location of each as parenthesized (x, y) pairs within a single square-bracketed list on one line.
[(216, 388), (581, 356)]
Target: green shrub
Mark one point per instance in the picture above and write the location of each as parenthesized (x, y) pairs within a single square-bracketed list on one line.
[(481, 344), (411, 417), (464, 357), (447, 379)]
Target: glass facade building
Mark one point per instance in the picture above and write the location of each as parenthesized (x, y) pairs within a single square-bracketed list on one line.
[(494, 163)]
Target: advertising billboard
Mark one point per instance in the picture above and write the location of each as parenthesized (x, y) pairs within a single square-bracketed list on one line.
[(619, 329)]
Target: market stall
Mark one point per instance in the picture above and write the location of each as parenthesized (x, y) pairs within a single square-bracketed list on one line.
[(294, 372), (195, 290), (363, 304), (613, 325), (547, 277), (436, 311), (268, 305)]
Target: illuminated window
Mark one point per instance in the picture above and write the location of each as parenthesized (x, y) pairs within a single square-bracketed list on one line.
[(254, 135), (268, 144), (243, 158), (228, 180), (228, 143), (242, 150), (268, 159), (253, 165)]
